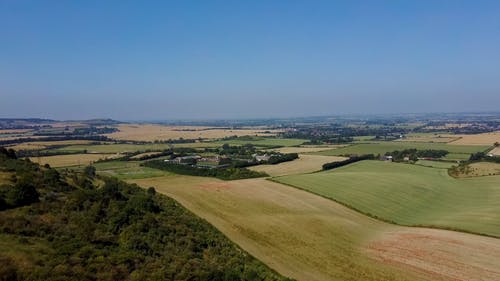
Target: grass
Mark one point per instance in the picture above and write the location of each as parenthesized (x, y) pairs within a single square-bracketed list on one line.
[(128, 170), (435, 164), (410, 195), (383, 147)]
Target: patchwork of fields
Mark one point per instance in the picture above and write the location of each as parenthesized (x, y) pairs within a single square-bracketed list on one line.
[(458, 152), (151, 132), (308, 237), (410, 194)]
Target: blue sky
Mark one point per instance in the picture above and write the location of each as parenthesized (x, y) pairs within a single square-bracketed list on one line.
[(245, 59)]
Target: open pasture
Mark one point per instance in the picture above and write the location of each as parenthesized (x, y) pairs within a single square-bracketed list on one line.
[(410, 195), (429, 137), (435, 164), (126, 170), (306, 148), (71, 159), (305, 164), (151, 132), (388, 146), (308, 237)]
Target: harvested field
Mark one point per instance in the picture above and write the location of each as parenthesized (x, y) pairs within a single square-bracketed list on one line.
[(71, 159), (479, 169), (150, 132), (305, 164), (439, 254), (478, 139), (306, 149), (308, 237), (495, 151), (44, 144), (410, 195), (263, 142), (124, 148)]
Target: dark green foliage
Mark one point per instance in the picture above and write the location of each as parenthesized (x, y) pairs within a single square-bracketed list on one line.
[(353, 159), (89, 171), (223, 174), (413, 154), (278, 158), (116, 232), (21, 194)]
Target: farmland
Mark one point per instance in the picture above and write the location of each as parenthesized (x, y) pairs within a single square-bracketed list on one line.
[(128, 170), (383, 147), (305, 164), (308, 237), (151, 132), (262, 142), (478, 139), (71, 159), (410, 195), (122, 148)]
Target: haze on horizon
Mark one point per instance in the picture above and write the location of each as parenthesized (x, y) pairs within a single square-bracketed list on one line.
[(132, 60)]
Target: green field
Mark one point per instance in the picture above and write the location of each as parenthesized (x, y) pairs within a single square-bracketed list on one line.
[(383, 147), (263, 142), (436, 164), (128, 170), (410, 195)]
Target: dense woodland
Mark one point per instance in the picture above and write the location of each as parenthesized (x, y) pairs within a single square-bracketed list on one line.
[(222, 173), (77, 226)]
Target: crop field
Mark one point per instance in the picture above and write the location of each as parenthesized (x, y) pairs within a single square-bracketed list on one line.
[(71, 159), (430, 137), (410, 195), (151, 132), (263, 142), (478, 139), (435, 164), (305, 164), (306, 148), (128, 170), (308, 237), (36, 145), (495, 151), (122, 148), (383, 147), (479, 169)]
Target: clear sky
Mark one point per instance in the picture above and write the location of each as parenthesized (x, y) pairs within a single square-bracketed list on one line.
[(134, 60)]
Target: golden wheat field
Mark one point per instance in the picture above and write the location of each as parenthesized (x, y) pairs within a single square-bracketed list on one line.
[(151, 132), (305, 164), (45, 144), (478, 139)]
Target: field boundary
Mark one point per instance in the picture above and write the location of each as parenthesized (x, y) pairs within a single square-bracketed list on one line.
[(273, 179)]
